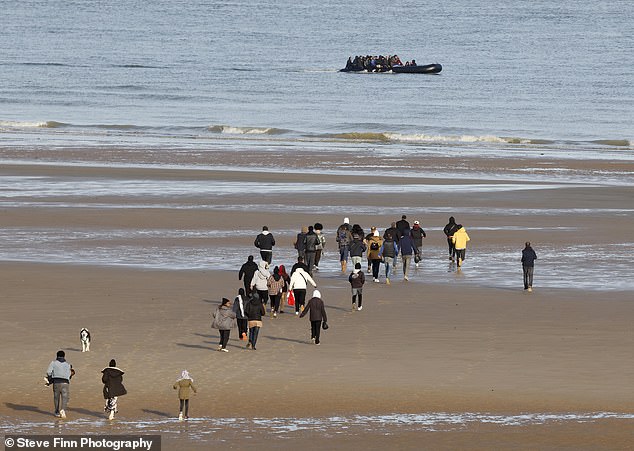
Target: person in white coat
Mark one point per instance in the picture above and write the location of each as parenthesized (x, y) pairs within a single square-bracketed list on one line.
[(259, 281), (299, 282)]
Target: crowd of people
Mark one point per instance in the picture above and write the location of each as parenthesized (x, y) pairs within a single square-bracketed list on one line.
[(378, 63), (280, 288)]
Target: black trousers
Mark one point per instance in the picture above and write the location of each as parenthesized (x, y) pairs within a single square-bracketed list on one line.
[(266, 256), (452, 248), (243, 326), (264, 295), (300, 297), (224, 337), (315, 330), (460, 254), (275, 302), (376, 264), (184, 403), (528, 276)]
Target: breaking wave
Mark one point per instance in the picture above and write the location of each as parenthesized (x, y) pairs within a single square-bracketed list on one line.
[(32, 124), (232, 130), (426, 138)]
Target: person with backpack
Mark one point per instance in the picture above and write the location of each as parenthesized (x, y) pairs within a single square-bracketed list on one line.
[(357, 279), (321, 244), (357, 248), (299, 243), (311, 240), (367, 239), (374, 254), (344, 238), (388, 253)]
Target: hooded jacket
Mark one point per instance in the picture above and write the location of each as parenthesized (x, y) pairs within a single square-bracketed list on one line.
[(460, 238), (356, 278), (450, 228), (112, 379), (375, 254), (357, 247), (528, 257), (238, 307), (254, 309), (316, 308), (407, 246), (224, 318), (300, 279), (417, 234), (261, 277), (183, 386), (264, 241)]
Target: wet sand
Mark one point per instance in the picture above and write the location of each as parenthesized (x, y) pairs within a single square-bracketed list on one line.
[(452, 345)]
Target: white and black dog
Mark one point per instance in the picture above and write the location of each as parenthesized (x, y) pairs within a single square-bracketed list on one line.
[(84, 337)]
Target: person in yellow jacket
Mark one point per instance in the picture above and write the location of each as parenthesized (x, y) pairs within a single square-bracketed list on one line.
[(459, 240)]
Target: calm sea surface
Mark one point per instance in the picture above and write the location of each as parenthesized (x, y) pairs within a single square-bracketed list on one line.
[(138, 71)]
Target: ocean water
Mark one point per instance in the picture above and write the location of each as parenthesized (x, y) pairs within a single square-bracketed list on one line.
[(165, 72)]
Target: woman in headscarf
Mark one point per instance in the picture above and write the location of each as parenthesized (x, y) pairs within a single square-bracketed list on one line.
[(112, 378), (317, 315), (275, 285), (260, 280), (183, 384), (287, 280)]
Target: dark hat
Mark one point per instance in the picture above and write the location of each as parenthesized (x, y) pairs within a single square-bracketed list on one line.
[(113, 362), (61, 354), (357, 265)]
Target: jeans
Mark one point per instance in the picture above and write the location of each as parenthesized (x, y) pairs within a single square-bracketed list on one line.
[(406, 261), (253, 335), (317, 257), (357, 296), (344, 251), (528, 276), (61, 395), (315, 330), (389, 261), (460, 255), (356, 260)]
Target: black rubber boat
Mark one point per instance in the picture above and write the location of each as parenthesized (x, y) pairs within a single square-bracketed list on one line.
[(425, 69)]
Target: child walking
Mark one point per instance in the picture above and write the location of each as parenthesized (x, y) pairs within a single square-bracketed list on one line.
[(357, 279), (184, 383)]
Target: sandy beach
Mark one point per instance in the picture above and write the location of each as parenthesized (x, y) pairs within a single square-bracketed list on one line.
[(447, 342)]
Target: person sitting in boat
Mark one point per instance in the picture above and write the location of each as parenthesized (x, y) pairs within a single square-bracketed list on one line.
[(413, 63), (396, 61), (349, 64)]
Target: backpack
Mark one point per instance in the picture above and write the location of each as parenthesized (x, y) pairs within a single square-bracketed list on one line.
[(374, 246), (343, 237)]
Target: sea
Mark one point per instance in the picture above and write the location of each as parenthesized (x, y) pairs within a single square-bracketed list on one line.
[(185, 71)]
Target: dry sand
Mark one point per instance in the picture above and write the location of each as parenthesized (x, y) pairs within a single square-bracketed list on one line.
[(416, 347)]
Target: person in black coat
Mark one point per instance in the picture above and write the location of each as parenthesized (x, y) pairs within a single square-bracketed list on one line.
[(528, 265), (112, 378), (246, 273), (254, 311), (317, 315)]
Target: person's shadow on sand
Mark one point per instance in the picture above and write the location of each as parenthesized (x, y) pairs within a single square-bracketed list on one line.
[(186, 345), (35, 409), (292, 340), (88, 412), (157, 413)]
